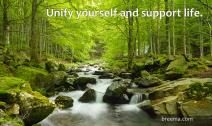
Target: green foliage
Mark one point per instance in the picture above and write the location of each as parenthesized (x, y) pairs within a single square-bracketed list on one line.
[(197, 91), (4, 70)]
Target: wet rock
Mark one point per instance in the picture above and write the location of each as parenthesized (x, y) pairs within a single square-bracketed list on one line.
[(117, 93), (147, 107), (64, 102), (194, 108), (56, 82), (148, 81), (50, 66), (166, 106), (88, 96), (99, 72), (107, 76), (81, 82), (174, 87), (126, 75)]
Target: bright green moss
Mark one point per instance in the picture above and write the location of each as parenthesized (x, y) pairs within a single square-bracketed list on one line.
[(12, 84), (8, 121), (29, 73)]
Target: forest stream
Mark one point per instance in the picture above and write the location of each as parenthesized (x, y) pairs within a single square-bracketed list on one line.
[(100, 113), (97, 113)]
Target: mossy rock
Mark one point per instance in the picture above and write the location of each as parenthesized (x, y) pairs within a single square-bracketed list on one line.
[(34, 75), (9, 121), (176, 68), (198, 90), (64, 102), (10, 87), (34, 106)]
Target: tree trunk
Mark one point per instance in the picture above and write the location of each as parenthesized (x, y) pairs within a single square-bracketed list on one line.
[(33, 41), (173, 30), (158, 31), (138, 36), (130, 38), (5, 38), (201, 39), (168, 27), (184, 31)]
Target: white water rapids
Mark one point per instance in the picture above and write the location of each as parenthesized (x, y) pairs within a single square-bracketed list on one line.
[(97, 113)]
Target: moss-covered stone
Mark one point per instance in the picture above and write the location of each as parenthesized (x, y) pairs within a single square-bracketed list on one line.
[(9, 121), (199, 91), (176, 68), (35, 76), (10, 87), (64, 101), (34, 106)]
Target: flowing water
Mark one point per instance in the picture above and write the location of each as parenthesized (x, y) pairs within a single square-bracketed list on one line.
[(99, 113)]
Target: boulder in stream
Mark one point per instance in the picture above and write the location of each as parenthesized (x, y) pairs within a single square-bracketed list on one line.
[(88, 96), (64, 102), (116, 93), (81, 82), (107, 76)]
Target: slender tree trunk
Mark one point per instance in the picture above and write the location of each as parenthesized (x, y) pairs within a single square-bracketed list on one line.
[(168, 27), (6, 35), (173, 30), (201, 39), (158, 31), (130, 38), (150, 31), (138, 36), (210, 38), (138, 31), (184, 31), (33, 41)]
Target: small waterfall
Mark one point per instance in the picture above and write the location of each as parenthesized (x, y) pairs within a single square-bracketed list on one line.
[(138, 98)]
